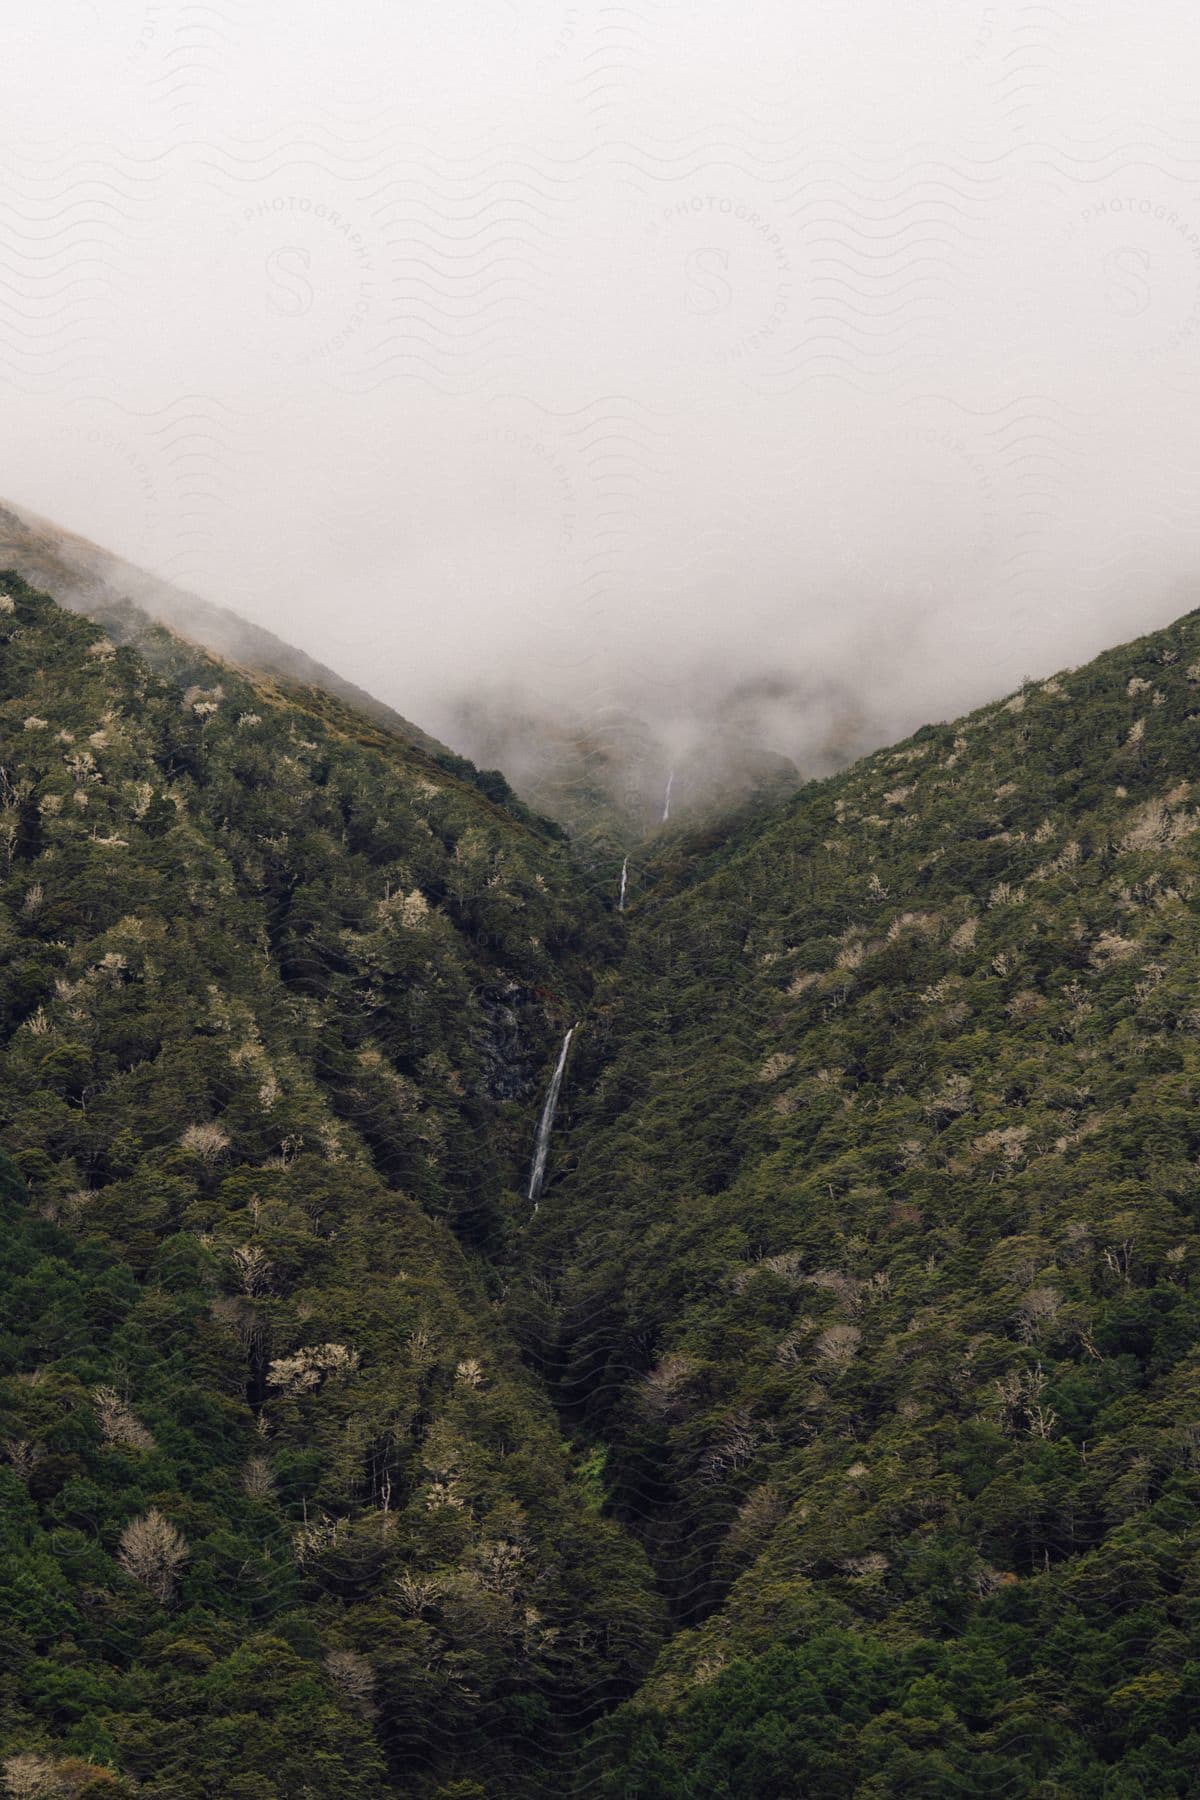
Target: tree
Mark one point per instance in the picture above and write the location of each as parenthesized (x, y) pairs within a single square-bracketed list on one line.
[(153, 1553)]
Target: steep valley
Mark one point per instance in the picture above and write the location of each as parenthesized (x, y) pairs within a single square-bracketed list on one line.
[(830, 1425)]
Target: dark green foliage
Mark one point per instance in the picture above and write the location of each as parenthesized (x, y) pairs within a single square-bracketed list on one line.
[(862, 1285), (249, 1073), (874, 1265)]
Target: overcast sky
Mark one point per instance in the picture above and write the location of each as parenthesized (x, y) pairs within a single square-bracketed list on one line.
[(623, 349)]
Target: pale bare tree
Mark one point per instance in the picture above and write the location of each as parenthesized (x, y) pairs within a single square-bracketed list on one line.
[(315, 1537), (257, 1478), (252, 1266), (305, 1369), (23, 1457), (839, 1344), (208, 1142), (757, 1517), (29, 1777), (153, 1553), (1038, 1312), (663, 1387), (415, 1593), (117, 1423), (353, 1675)]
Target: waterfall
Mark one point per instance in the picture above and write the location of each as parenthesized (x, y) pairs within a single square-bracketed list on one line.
[(537, 1173), (624, 874), (667, 801)]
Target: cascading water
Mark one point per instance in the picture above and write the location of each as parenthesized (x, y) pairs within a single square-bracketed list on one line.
[(541, 1149), (667, 800), (624, 875)]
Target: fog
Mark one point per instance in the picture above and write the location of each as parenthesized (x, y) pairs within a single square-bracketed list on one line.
[(843, 359)]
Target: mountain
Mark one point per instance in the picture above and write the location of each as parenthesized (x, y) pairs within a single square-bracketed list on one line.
[(610, 772), (602, 779), (155, 618), (871, 1265), (829, 1428), (123, 598), (284, 1512)]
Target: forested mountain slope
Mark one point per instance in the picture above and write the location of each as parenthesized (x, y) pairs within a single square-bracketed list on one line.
[(833, 1427), (128, 600), (282, 1511), (874, 1265)]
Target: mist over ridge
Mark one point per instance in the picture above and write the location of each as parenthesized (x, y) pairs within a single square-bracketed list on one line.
[(620, 359), (599, 900)]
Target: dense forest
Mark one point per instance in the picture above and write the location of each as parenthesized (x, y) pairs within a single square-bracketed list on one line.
[(832, 1428)]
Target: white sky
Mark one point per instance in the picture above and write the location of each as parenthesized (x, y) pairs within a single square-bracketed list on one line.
[(623, 349)]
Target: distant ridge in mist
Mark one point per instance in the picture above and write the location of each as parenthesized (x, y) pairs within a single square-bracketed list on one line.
[(93, 581)]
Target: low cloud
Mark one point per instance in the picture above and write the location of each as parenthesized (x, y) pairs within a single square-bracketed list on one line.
[(815, 372)]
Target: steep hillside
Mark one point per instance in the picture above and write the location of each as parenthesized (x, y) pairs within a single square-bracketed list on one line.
[(833, 1426), (124, 599), (872, 1265), (283, 1513), (602, 780)]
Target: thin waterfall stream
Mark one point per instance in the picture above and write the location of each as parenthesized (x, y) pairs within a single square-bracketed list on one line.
[(541, 1149)]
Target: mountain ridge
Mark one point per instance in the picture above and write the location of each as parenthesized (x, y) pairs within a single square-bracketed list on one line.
[(89, 579), (830, 1427), (873, 1258)]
